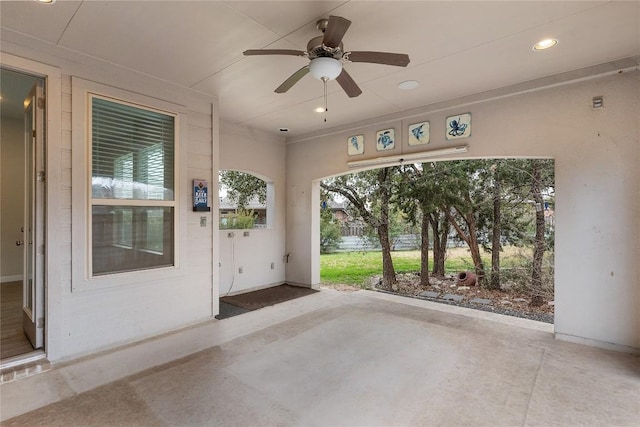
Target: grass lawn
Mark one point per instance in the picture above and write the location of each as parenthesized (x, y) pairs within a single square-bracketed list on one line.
[(353, 268)]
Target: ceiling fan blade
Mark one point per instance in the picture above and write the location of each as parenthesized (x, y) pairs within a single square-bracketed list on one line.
[(274, 52), (347, 83), (295, 77), (334, 33), (397, 59)]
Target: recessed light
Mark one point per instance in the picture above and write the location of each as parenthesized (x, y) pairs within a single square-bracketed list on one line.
[(319, 110), (545, 44), (409, 84), (46, 1), (283, 129)]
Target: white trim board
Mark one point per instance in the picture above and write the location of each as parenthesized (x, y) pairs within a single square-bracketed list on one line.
[(14, 278)]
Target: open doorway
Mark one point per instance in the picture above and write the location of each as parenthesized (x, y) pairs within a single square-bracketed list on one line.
[(475, 233), (22, 192)]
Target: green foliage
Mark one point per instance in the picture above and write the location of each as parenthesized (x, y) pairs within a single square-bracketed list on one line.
[(241, 220), (330, 236), (243, 187)]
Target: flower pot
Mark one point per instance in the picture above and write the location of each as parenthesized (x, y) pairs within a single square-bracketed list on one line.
[(466, 278)]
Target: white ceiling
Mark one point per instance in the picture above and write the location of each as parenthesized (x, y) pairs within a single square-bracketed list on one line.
[(456, 48)]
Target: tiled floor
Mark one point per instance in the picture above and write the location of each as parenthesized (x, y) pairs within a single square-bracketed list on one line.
[(333, 359)]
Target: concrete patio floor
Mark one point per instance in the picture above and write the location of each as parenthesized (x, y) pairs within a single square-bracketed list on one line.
[(336, 359)]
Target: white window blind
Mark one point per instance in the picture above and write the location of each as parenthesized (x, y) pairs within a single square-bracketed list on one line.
[(121, 132), (133, 202)]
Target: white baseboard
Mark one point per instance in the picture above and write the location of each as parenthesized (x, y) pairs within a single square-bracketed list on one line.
[(14, 278), (596, 343)]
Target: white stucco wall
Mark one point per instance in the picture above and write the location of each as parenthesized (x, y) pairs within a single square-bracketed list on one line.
[(263, 155), (597, 159), (11, 198)]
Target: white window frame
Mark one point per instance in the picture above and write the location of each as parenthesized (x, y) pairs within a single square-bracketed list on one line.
[(82, 201)]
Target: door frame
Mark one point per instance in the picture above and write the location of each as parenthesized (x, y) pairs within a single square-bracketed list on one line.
[(53, 271), (33, 217)]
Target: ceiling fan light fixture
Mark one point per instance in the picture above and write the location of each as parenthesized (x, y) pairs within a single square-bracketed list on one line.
[(325, 68)]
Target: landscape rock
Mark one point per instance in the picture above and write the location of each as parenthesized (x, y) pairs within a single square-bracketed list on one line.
[(520, 300), (480, 301), (463, 288), (429, 294), (452, 297)]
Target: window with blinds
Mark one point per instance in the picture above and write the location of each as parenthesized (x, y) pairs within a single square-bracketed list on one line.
[(132, 186)]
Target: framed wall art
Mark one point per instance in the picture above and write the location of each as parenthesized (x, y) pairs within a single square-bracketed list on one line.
[(458, 126), (419, 133), (385, 139), (355, 145)]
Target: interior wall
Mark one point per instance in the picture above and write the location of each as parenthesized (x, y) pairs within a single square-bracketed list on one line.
[(11, 198), (596, 152), (263, 155)]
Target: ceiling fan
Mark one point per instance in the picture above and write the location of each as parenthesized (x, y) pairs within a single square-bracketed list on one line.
[(327, 57)]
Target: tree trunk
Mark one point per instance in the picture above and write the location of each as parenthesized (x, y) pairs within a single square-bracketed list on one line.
[(538, 244), (424, 250), (440, 239), (495, 238), (471, 239), (477, 260), (388, 272)]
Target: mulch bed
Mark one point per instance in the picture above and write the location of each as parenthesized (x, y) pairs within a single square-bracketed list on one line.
[(510, 302)]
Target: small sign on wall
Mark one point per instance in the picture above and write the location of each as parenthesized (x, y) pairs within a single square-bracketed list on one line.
[(200, 196)]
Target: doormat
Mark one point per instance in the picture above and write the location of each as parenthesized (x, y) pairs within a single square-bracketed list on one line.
[(266, 297)]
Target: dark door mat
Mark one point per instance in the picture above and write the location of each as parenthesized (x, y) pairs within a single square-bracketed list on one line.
[(228, 310), (266, 297)]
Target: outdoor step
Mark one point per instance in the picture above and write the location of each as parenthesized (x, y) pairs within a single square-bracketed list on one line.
[(452, 297), (480, 301)]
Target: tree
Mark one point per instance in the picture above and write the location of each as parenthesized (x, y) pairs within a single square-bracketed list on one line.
[(539, 179), (528, 181), (418, 193), (330, 236), (243, 187), (463, 207), (497, 227), (369, 193)]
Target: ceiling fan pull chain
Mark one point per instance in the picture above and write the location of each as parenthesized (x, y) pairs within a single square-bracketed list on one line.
[(326, 108)]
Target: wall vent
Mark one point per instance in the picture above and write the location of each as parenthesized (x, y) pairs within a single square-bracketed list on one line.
[(597, 102)]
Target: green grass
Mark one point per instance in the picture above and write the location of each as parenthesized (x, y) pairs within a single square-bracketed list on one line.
[(353, 268)]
